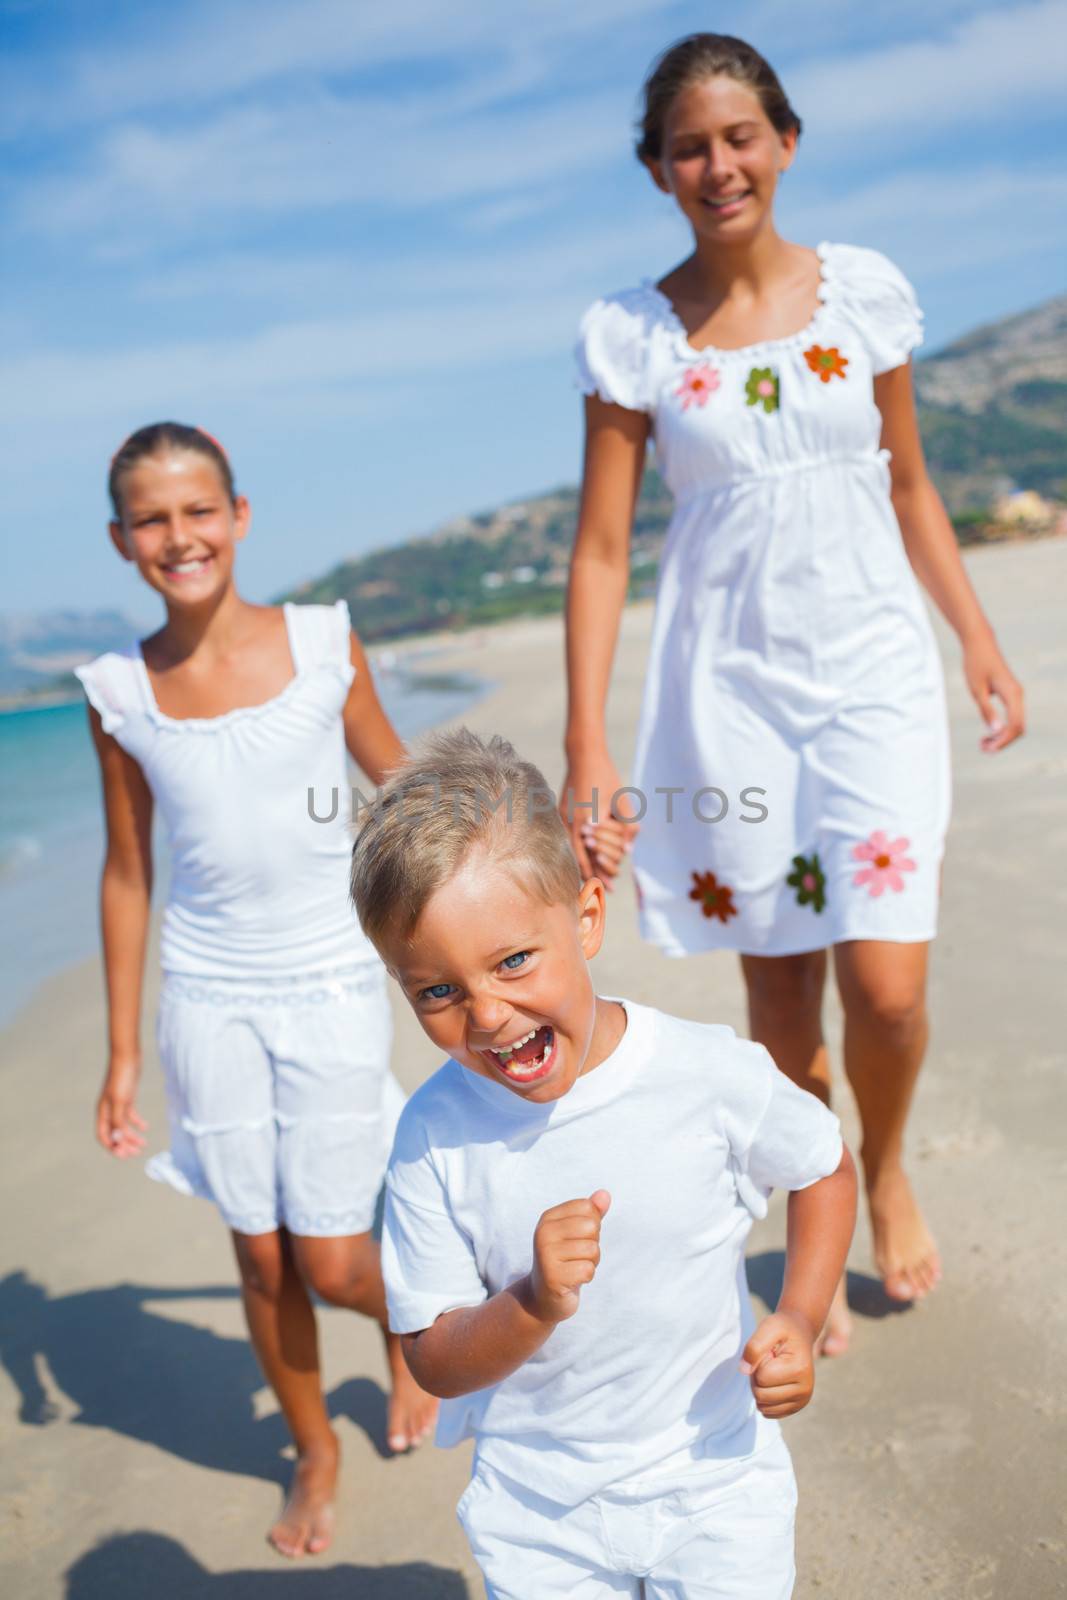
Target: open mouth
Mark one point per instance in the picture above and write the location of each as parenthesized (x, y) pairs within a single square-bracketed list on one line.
[(526, 1059)]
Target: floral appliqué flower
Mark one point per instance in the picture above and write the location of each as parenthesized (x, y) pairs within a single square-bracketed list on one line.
[(886, 862), (826, 364), (697, 384), (761, 388), (809, 881), (715, 898)]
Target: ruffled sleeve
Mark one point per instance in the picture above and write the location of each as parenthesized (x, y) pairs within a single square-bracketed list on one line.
[(881, 303), (110, 689), (612, 353)]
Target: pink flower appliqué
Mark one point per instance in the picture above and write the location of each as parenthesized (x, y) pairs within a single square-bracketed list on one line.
[(696, 385), (885, 862)]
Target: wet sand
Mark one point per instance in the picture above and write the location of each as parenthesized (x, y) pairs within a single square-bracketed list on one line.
[(142, 1455)]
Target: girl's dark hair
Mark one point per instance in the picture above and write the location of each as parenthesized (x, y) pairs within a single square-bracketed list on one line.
[(156, 440), (708, 55)]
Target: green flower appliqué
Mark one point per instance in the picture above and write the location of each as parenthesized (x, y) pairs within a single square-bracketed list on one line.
[(809, 881), (762, 388)]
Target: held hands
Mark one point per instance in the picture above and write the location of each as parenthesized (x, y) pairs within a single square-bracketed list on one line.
[(566, 1255), (601, 845), (990, 679), (119, 1126), (780, 1359)]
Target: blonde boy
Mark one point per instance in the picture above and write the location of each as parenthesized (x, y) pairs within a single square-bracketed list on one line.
[(567, 1205)]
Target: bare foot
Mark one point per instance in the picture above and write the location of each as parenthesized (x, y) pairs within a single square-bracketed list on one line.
[(836, 1334), (305, 1526), (904, 1251), (412, 1412)]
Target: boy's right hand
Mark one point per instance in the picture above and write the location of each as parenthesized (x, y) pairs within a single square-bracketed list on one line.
[(566, 1255), (119, 1126)]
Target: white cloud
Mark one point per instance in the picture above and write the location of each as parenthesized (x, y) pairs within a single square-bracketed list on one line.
[(562, 257), (51, 386), (941, 227), (968, 74), (231, 47), (318, 152)]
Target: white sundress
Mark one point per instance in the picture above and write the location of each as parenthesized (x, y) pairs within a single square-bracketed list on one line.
[(794, 699)]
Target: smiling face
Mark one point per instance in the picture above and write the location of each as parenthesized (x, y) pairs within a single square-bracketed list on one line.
[(499, 979), (179, 526), (721, 159)]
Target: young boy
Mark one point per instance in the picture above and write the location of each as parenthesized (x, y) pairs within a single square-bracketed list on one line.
[(566, 1211)]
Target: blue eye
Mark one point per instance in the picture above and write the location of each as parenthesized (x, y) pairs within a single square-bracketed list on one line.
[(436, 991), (517, 960)]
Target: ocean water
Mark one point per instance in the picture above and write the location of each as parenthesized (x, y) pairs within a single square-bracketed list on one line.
[(52, 834)]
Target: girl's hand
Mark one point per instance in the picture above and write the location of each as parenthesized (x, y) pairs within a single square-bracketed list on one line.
[(601, 845), (779, 1357), (119, 1127), (990, 679)]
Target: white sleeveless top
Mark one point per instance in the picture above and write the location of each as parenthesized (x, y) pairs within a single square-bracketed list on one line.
[(258, 889)]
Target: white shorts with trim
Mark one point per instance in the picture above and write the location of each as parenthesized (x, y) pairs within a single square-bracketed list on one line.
[(692, 1530), (281, 1105)]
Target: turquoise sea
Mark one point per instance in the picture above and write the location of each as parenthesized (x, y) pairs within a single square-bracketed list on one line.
[(51, 829)]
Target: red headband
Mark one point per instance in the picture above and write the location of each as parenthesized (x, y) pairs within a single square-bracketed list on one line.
[(202, 431)]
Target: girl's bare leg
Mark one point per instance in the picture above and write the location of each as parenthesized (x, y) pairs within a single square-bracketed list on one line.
[(883, 991), (282, 1325), (347, 1272), (785, 1015)]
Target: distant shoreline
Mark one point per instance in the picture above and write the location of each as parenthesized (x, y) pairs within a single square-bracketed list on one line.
[(393, 655)]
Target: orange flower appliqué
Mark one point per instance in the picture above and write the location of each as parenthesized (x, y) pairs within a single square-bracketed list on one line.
[(697, 384), (826, 364), (715, 898)]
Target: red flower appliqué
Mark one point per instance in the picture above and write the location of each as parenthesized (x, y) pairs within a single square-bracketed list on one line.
[(697, 384), (716, 899)]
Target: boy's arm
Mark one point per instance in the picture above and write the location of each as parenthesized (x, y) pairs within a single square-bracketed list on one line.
[(779, 1355), (820, 1221), (474, 1347), (477, 1346)]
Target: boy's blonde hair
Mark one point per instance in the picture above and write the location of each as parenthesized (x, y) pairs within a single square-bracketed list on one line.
[(456, 791)]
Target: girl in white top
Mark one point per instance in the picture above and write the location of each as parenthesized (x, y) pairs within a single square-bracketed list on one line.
[(274, 1025), (794, 704)]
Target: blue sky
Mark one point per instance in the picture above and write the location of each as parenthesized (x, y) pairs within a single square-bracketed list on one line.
[(353, 239)]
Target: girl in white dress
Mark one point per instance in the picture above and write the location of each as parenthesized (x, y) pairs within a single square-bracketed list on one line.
[(792, 758), (274, 1024)]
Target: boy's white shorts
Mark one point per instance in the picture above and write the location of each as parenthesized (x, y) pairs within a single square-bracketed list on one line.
[(693, 1530), (281, 1105)]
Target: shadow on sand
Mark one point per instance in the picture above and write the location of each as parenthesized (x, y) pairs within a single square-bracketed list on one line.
[(866, 1297), (132, 1565), (149, 1377)]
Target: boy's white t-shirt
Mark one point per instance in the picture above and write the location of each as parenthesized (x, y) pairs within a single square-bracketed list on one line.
[(688, 1128)]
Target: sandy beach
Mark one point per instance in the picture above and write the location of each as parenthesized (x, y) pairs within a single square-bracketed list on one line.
[(141, 1453)]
